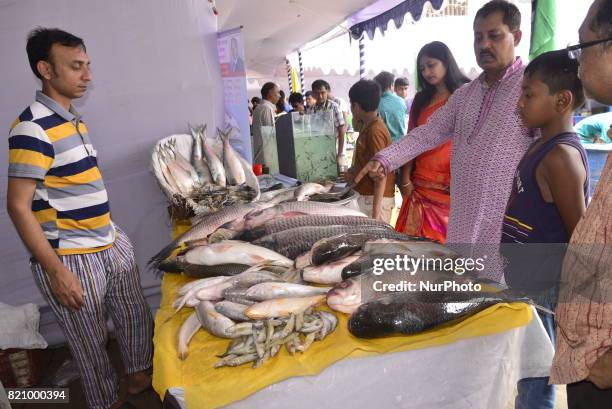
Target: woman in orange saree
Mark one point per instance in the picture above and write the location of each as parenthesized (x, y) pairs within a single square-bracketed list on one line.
[(425, 182)]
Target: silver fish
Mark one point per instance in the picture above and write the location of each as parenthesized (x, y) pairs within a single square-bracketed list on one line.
[(337, 247), (259, 217), (330, 273), (282, 307), (187, 331), (232, 310), (206, 225), (348, 295), (183, 162), (233, 168), (214, 163), (231, 251), (309, 189), (197, 158), (212, 321), (287, 223), (294, 242), (269, 291)]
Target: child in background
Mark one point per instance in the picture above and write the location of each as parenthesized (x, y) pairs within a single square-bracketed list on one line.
[(376, 197), (549, 195)]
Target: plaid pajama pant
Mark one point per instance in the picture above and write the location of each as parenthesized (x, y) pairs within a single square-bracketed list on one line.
[(111, 284)]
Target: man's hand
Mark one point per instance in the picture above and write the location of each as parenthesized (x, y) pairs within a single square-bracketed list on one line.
[(64, 284), (373, 169), (67, 288), (601, 372)]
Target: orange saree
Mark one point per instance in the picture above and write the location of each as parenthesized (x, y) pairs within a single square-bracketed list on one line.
[(425, 212)]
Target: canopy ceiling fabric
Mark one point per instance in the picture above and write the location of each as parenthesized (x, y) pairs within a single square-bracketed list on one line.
[(397, 14), (273, 29)]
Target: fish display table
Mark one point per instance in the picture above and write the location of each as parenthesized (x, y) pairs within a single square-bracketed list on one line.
[(472, 364)]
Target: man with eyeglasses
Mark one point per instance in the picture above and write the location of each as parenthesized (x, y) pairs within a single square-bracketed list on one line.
[(583, 356)]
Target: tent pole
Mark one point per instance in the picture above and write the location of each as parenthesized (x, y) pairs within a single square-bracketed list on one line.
[(362, 70), (301, 70), (289, 75)]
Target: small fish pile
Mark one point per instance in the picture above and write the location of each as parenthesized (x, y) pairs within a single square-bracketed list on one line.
[(259, 310), (262, 340), (198, 176)]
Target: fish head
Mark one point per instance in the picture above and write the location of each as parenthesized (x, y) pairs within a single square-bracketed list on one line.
[(346, 296)]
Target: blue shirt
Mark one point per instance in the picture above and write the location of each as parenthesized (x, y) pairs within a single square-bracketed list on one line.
[(392, 109), (594, 126)]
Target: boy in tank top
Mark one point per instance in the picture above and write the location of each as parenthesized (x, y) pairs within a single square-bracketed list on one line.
[(549, 196)]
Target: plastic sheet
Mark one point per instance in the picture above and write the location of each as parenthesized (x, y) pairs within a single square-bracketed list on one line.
[(19, 327)]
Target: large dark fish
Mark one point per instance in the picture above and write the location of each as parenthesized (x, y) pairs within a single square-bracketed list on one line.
[(291, 243), (201, 271), (362, 264), (435, 255), (411, 313), (204, 227), (337, 247), (278, 225)]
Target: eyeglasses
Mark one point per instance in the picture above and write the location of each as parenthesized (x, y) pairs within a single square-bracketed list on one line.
[(574, 51)]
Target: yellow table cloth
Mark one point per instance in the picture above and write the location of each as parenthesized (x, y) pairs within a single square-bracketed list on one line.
[(206, 387)]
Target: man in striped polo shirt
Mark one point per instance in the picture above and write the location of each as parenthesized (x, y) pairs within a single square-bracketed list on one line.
[(83, 264)]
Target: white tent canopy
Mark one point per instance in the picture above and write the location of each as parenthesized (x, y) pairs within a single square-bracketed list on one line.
[(275, 28)]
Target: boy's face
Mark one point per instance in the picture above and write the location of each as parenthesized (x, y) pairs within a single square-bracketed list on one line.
[(298, 106), (356, 111), (536, 105), (401, 91), (310, 101)]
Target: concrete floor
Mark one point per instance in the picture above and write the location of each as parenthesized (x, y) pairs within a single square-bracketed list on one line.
[(144, 400)]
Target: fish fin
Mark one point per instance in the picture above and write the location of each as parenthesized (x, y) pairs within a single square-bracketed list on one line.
[(171, 265), (164, 253), (252, 234), (191, 244)]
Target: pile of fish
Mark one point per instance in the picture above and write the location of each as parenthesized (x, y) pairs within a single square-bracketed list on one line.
[(264, 266), (262, 340), (250, 221), (384, 313), (259, 310), (198, 176)]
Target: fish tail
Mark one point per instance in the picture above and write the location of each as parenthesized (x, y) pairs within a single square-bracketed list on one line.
[(171, 266), (164, 253)]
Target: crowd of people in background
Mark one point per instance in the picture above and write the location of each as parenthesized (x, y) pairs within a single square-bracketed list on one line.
[(496, 159)]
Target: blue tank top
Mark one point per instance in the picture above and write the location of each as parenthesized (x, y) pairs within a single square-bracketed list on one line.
[(528, 218)]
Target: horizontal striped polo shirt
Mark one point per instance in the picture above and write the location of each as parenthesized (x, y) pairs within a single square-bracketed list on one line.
[(50, 144)]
